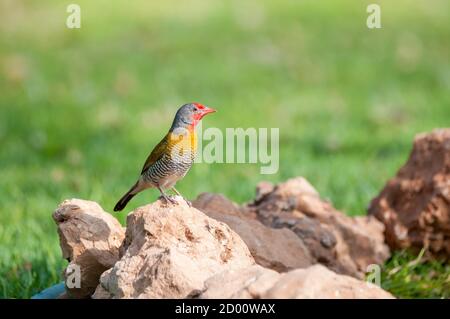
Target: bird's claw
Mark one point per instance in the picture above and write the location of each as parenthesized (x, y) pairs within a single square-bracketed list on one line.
[(172, 200), (169, 199)]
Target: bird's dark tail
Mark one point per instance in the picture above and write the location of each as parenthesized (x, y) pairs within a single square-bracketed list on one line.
[(126, 198)]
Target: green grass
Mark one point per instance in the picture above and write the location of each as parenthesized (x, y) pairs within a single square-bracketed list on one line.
[(409, 276), (81, 109)]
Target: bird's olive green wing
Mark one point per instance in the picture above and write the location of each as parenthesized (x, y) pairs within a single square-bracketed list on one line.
[(156, 154)]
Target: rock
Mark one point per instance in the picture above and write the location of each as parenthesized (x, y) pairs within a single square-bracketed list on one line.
[(262, 189), (248, 283), (169, 251), (320, 282), (278, 249), (100, 292), (344, 244), (178, 251), (209, 202), (315, 281), (414, 206), (90, 238)]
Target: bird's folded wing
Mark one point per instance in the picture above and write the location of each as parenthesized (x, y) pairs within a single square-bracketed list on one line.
[(156, 154)]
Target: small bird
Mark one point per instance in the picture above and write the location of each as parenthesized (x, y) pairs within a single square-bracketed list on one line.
[(172, 158)]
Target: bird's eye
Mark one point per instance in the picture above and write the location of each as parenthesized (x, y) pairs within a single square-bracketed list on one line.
[(198, 107)]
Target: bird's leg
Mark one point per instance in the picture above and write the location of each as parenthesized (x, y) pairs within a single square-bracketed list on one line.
[(176, 192), (179, 194), (166, 198)]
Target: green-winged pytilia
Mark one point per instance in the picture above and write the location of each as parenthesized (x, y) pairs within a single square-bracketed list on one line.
[(172, 158)]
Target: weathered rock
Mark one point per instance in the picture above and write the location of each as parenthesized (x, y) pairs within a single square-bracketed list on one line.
[(169, 251), (90, 239), (312, 282), (415, 205), (344, 244), (278, 249), (320, 282), (217, 203), (248, 283)]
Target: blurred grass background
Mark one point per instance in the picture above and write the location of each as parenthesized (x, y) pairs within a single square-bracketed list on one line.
[(81, 108)]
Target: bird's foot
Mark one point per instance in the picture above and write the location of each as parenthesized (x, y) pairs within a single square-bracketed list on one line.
[(168, 199)]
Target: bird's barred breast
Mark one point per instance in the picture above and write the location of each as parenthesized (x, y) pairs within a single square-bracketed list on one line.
[(174, 163), (164, 168)]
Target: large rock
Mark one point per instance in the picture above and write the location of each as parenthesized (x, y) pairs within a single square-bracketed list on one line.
[(415, 205), (313, 282), (344, 244), (278, 249), (169, 251), (320, 282), (90, 239), (249, 283)]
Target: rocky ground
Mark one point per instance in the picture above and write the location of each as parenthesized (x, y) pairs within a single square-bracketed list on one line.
[(286, 243)]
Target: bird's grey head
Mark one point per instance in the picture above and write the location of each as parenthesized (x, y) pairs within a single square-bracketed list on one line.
[(189, 115)]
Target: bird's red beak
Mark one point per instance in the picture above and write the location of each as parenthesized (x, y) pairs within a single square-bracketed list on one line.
[(206, 110)]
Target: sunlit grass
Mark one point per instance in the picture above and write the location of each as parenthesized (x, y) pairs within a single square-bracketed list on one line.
[(409, 276)]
